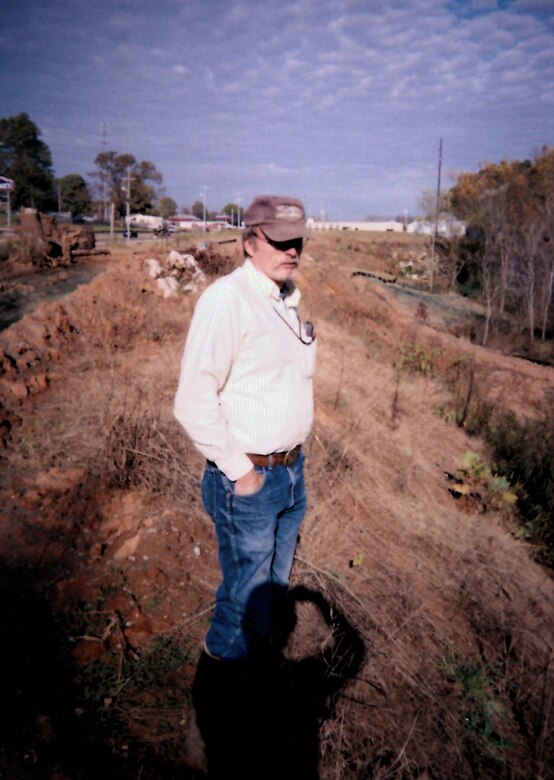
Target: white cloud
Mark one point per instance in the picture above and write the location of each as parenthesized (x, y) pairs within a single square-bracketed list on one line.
[(312, 88)]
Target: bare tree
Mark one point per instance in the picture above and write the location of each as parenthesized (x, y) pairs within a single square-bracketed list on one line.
[(545, 167), (532, 239), (510, 205), (548, 290)]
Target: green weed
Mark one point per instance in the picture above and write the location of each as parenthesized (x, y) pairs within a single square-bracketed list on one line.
[(524, 452), (144, 688), (488, 490), (418, 359), (483, 710)]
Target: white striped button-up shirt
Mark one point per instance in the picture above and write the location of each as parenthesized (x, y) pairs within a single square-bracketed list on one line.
[(246, 377)]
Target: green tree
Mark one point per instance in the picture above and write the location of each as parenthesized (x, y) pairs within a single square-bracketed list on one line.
[(167, 207), (74, 194), (234, 212), (111, 171), (144, 187), (115, 172), (509, 207), (27, 160), (197, 209)]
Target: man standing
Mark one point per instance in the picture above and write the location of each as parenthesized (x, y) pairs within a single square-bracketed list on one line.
[(245, 398)]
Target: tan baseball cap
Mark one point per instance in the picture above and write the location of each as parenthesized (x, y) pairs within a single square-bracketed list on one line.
[(281, 218)]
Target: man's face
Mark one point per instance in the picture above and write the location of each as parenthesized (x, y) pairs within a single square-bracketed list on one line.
[(277, 259)]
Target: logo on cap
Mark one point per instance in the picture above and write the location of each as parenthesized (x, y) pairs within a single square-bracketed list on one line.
[(288, 212)]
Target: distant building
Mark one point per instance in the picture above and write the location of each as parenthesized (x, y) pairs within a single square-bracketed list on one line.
[(391, 226), (221, 222), (447, 227), (185, 221)]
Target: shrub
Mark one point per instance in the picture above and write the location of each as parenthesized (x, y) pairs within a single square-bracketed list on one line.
[(524, 452), (138, 451), (212, 262), (469, 409), (422, 312), (419, 359), (484, 710), (485, 488), (521, 452)]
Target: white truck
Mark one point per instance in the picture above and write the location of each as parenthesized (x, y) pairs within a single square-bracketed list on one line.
[(146, 221)]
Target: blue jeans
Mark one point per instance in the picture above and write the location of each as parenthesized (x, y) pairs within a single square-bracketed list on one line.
[(257, 537)]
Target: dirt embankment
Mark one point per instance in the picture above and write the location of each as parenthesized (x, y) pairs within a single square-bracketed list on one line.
[(101, 514)]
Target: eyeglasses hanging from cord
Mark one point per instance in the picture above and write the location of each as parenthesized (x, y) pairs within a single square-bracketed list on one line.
[(308, 328)]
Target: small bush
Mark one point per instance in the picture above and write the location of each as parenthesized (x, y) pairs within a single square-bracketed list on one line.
[(521, 452), (212, 262), (138, 451), (483, 711), (486, 489), (419, 359), (524, 452), (422, 312), (469, 409)]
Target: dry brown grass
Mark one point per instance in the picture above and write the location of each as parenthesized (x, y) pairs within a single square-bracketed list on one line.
[(422, 581), (455, 617)]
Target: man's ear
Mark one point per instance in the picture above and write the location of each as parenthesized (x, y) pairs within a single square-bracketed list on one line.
[(250, 246)]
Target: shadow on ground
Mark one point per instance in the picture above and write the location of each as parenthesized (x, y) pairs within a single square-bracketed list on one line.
[(260, 718), (43, 734)]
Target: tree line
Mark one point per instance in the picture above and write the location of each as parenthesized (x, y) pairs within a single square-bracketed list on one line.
[(506, 255), (26, 159), (507, 252)]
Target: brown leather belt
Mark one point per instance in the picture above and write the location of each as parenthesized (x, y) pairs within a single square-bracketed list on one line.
[(288, 458)]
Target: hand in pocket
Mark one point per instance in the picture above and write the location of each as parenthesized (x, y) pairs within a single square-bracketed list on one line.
[(251, 483)]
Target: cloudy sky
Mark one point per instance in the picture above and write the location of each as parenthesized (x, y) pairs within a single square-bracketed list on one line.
[(339, 102)]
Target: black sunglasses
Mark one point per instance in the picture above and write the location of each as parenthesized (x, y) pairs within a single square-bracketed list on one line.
[(283, 246)]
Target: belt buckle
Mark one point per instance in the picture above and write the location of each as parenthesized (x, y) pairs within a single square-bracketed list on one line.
[(291, 457)]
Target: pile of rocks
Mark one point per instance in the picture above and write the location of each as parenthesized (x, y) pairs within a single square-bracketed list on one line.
[(175, 275)]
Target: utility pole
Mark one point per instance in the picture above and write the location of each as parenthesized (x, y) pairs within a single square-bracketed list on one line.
[(238, 199), (204, 189), (103, 183), (437, 212), (128, 179)]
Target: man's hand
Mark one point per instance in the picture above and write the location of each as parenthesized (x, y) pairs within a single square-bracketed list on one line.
[(250, 483)]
